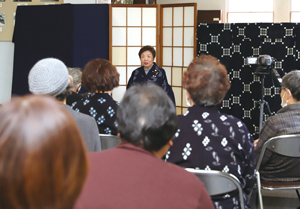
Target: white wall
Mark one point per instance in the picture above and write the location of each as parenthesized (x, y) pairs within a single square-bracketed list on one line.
[(281, 7), (6, 70), (79, 1)]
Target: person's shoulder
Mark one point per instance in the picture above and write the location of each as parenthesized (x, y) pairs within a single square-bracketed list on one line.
[(138, 70), (231, 119), (80, 116), (105, 158), (159, 68), (79, 103), (176, 172)]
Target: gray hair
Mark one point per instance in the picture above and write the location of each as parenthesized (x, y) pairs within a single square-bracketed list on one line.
[(76, 75), (292, 81)]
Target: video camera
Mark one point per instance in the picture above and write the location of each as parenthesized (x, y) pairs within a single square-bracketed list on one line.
[(262, 60), (266, 65)]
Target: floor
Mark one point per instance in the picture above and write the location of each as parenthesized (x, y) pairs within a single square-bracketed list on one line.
[(285, 199)]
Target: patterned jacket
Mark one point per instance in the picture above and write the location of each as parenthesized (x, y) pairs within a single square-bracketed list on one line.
[(155, 75), (275, 167), (207, 139), (103, 108)]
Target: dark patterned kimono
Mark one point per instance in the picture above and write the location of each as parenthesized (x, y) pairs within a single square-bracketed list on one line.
[(209, 140), (74, 97), (155, 75), (103, 108)]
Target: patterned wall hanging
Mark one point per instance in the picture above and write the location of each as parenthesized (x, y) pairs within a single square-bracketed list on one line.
[(232, 44)]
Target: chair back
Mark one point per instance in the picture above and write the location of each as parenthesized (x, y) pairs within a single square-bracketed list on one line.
[(286, 145), (109, 141), (218, 183)]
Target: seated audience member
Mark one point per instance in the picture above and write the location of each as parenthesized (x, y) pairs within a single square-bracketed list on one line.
[(43, 160), (133, 175), (207, 139), (99, 77), (275, 167), (75, 82), (149, 72), (50, 77)]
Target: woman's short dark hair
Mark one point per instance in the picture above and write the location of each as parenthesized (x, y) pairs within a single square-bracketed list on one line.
[(292, 81), (99, 75), (43, 159), (147, 48), (147, 117), (206, 80)]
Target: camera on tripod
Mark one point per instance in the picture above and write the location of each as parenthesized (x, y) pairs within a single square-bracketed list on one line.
[(265, 66), (264, 62)]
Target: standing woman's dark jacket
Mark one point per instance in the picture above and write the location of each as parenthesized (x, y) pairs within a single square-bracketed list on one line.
[(155, 75)]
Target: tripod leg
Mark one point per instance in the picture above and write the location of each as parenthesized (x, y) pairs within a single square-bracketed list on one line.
[(261, 114), (267, 108)]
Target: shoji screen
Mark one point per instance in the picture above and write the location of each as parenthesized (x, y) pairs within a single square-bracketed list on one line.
[(178, 45), (131, 27)]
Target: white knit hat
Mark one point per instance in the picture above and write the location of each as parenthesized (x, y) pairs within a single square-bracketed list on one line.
[(48, 76)]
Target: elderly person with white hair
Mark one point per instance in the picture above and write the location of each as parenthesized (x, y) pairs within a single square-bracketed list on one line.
[(75, 82)]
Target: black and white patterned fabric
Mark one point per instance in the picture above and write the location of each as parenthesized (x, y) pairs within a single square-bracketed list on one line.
[(232, 44), (209, 140), (103, 108)]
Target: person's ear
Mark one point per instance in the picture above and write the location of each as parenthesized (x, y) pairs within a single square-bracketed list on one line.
[(188, 96), (170, 142), (288, 92), (71, 80)]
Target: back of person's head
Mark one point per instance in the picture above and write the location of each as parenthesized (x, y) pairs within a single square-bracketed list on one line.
[(147, 117), (43, 161), (147, 48), (206, 80), (291, 81), (75, 73), (99, 75), (49, 76)]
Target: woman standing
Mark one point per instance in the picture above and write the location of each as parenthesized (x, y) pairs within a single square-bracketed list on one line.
[(149, 72)]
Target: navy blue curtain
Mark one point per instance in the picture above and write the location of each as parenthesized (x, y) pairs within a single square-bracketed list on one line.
[(74, 34), (232, 44)]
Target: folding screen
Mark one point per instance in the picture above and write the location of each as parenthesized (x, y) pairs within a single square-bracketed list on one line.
[(169, 28), (232, 43), (178, 43), (131, 27)]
